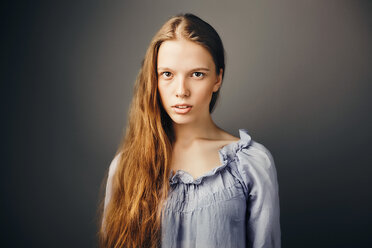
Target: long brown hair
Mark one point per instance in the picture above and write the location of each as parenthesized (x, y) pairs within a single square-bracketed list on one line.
[(140, 184)]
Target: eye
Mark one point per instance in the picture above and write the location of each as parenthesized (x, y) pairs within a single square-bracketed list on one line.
[(198, 74), (166, 74)]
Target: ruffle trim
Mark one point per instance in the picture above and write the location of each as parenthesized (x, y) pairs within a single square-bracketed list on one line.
[(227, 153)]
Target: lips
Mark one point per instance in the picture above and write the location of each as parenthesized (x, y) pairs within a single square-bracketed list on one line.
[(181, 108), (182, 105)]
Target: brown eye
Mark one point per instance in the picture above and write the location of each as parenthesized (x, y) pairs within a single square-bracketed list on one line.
[(198, 74), (166, 74)]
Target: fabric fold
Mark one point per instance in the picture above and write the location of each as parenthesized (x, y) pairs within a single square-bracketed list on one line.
[(226, 153)]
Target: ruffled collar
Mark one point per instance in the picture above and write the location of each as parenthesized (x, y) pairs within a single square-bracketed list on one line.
[(226, 153)]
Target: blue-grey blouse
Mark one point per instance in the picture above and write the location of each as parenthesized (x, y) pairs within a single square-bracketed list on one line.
[(234, 205)]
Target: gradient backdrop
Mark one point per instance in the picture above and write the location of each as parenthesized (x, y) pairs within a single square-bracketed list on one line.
[(298, 77)]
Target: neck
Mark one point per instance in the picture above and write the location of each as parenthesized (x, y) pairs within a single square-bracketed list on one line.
[(201, 129)]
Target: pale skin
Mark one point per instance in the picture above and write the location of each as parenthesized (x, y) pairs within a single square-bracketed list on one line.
[(187, 74)]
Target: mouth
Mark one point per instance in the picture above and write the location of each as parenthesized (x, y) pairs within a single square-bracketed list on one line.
[(181, 108)]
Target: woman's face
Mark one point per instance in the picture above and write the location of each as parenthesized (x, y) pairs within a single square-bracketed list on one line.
[(186, 76)]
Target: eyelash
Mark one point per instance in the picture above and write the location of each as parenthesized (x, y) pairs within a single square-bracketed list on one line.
[(164, 72), (202, 74)]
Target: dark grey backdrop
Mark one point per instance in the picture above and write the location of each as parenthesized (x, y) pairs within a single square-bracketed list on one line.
[(298, 78)]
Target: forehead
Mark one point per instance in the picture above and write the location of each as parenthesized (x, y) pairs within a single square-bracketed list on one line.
[(183, 55)]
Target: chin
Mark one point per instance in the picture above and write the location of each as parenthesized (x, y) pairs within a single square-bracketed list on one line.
[(181, 119)]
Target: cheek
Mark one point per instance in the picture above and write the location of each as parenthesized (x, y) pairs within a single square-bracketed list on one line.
[(162, 94), (204, 94)]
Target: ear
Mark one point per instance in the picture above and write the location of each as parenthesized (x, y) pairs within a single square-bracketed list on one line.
[(218, 83)]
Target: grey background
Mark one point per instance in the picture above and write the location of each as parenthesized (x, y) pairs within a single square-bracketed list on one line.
[(298, 78)]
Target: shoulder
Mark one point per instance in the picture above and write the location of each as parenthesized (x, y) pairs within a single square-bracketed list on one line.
[(257, 153), (222, 139), (227, 137), (212, 145), (256, 166), (112, 169), (114, 164)]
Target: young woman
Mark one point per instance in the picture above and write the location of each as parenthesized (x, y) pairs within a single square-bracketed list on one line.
[(177, 179)]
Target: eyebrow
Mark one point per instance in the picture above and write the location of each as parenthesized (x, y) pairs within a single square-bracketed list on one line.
[(194, 69)]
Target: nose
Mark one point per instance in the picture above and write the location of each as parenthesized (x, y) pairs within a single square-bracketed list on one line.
[(182, 89)]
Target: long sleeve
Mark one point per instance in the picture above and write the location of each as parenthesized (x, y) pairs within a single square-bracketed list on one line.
[(257, 169)]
